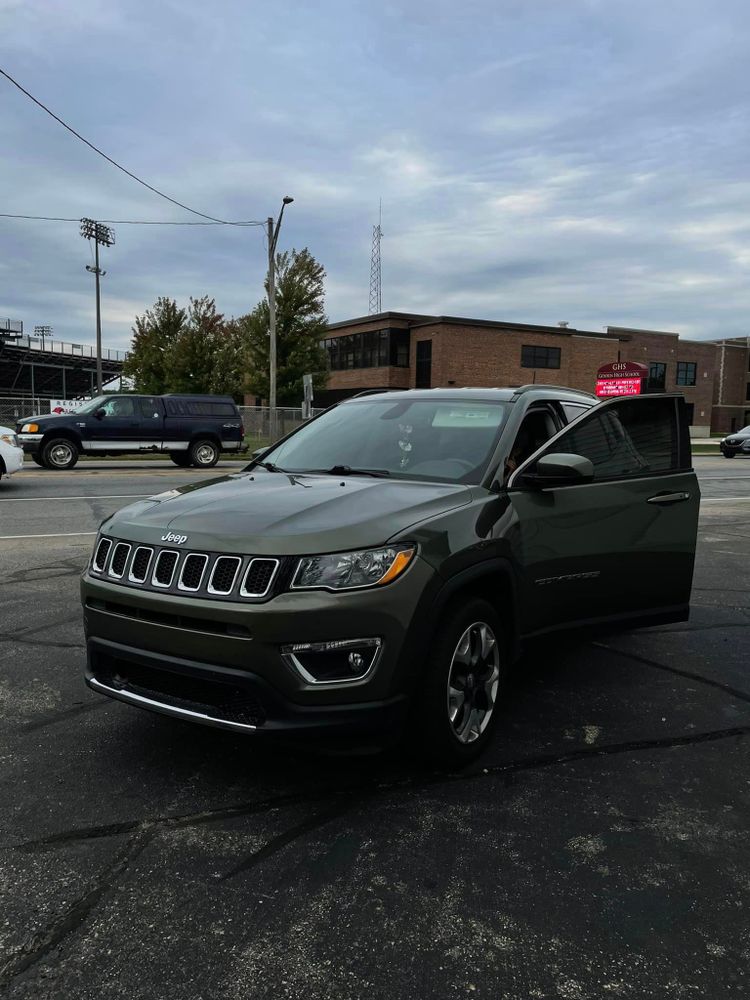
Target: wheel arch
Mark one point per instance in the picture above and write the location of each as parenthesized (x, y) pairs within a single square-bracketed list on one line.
[(492, 580), (64, 432)]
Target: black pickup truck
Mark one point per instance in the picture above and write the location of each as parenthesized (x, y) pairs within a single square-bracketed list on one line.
[(193, 430)]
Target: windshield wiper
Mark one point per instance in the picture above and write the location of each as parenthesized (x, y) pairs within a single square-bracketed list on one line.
[(270, 467), (347, 470)]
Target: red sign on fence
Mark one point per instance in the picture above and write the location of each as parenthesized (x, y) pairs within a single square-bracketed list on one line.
[(621, 378)]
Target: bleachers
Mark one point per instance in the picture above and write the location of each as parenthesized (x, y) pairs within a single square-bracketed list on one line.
[(53, 368)]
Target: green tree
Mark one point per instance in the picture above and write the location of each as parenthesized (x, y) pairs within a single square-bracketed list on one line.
[(300, 326), (193, 352), (154, 337)]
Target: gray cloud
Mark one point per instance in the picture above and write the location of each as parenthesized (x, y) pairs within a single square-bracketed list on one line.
[(537, 161)]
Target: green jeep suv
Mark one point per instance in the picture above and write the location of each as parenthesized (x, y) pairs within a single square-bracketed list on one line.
[(384, 563)]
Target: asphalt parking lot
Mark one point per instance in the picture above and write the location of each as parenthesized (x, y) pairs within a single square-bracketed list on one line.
[(599, 849)]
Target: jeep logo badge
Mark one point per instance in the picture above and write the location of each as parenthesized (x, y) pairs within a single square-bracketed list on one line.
[(174, 539)]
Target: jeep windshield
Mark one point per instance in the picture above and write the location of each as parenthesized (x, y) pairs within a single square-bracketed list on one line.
[(424, 439)]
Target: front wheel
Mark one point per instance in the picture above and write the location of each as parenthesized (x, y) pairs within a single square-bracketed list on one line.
[(729, 454), (204, 454), (59, 453), (456, 708), (180, 458), (36, 457)]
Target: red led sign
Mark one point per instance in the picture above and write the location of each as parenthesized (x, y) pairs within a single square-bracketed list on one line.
[(621, 378)]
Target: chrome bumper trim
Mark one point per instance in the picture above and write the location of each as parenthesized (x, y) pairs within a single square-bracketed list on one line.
[(165, 707)]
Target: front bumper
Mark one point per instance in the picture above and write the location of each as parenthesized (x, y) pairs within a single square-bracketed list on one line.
[(735, 449), (204, 660), (235, 700), (30, 442), (12, 459)]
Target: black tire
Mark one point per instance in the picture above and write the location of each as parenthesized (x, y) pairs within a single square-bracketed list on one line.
[(455, 741), (729, 454), (181, 458), (36, 457), (204, 453), (60, 454)]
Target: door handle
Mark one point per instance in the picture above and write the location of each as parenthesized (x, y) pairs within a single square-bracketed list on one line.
[(667, 498)]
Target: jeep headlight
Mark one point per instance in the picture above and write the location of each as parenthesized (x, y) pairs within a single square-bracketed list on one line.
[(9, 439), (352, 570)]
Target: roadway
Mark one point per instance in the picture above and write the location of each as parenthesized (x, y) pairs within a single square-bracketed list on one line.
[(599, 848)]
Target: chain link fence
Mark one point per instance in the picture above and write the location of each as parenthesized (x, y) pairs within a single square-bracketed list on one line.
[(14, 408)]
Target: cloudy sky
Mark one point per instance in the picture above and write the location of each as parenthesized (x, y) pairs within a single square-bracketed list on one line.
[(538, 160)]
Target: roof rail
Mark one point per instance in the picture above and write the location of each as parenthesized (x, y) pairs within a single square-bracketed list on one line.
[(541, 385), (371, 392)]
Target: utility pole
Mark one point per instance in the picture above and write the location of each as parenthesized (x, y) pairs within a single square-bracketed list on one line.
[(99, 233), (273, 238)]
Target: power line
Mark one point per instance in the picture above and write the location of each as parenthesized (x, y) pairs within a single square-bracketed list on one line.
[(125, 222), (109, 158)]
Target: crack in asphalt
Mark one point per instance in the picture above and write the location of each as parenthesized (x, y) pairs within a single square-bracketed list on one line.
[(69, 567), (689, 674), (68, 713), (21, 640), (39, 945)]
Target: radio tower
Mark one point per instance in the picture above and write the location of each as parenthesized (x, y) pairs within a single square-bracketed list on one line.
[(376, 293)]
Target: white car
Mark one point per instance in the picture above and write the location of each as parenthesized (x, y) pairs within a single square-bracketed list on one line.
[(11, 456)]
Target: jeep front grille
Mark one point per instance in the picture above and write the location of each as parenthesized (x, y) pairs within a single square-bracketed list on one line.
[(258, 577), (166, 563), (119, 559), (224, 574), (210, 576), (101, 554)]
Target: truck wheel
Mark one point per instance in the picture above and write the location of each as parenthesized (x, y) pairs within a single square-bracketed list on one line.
[(36, 457), (455, 710), (180, 458), (204, 453), (59, 453), (729, 454)]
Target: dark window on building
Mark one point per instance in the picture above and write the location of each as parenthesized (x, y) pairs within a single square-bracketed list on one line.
[(540, 357), (657, 375), (686, 371), (370, 349), (690, 410), (424, 364), (633, 439)]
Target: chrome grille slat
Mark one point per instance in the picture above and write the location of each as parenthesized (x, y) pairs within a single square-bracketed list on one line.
[(119, 560), (101, 555), (258, 577), (193, 563), (164, 569), (226, 569), (140, 564)]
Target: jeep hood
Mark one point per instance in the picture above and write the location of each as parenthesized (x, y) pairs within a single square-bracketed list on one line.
[(272, 513)]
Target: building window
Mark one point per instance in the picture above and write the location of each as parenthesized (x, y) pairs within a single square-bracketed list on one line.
[(686, 371), (540, 357), (424, 364), (657, 375), (370, 349)]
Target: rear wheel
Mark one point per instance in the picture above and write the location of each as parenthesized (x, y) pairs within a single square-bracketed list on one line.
[(180, 458), (59, 453), (204, 453), (456, 708)]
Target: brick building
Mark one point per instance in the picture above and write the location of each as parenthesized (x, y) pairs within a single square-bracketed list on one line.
[(394, 350)]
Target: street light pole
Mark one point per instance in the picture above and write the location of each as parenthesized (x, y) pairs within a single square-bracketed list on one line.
[(273, 237), (99, 233)]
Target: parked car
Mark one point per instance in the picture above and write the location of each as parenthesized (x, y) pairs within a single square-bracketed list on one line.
[(736, 443), (193, 430), (11, 455), (387, 561)]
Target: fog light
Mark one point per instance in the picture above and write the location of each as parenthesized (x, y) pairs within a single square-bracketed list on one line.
[(338, 661)]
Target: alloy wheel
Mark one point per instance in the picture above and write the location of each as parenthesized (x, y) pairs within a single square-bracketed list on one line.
[(473, 681)]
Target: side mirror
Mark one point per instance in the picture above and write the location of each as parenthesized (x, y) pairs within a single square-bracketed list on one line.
[(100, 413), (559, 470)]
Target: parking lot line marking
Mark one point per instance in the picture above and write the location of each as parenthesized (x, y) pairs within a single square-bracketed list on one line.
[(61, 534), (722, 499), (106, 496)]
